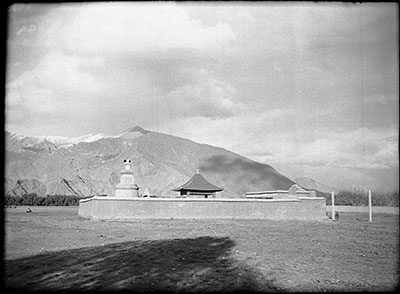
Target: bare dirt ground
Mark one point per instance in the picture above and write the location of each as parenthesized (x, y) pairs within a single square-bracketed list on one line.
[(51, 248)]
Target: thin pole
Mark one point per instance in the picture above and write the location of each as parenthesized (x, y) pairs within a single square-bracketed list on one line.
[(370, 205), (333, 205)]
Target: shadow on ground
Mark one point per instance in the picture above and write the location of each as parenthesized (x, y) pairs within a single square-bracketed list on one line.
[(201, 264)]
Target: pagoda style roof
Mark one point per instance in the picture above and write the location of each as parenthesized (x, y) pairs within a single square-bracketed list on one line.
[(199, 184)]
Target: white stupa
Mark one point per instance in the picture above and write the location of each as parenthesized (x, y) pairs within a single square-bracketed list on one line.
[(127, 188)]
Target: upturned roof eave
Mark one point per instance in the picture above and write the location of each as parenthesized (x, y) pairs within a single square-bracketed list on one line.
[(198, 190)]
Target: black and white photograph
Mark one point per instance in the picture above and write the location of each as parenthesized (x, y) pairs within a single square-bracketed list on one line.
[(201, 146)]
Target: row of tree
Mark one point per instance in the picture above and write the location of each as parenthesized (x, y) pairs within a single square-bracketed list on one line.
[(344, 197), (33, 199), (354, 198)]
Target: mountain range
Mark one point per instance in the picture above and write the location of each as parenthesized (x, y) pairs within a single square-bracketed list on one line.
[(92, 164)]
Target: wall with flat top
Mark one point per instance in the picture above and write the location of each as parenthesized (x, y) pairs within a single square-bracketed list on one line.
[(111, 208)]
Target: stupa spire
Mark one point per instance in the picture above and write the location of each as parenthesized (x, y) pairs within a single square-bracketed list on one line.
[(127, 188), (128, 164)]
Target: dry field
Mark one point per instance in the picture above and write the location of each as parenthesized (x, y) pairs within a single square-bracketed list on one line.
[(53, 249)]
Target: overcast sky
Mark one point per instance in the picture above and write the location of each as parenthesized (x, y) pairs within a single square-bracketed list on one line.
[(309, 88)]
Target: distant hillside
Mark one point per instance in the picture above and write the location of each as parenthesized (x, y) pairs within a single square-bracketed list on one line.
[(160, 163), (315, 185)]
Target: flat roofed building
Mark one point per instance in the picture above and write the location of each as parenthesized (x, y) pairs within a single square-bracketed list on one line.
[(294, 191)]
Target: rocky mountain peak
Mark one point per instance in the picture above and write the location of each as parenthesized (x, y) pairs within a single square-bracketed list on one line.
[(134, 132)]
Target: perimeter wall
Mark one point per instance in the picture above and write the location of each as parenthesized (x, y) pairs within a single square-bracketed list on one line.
[(111, 208)]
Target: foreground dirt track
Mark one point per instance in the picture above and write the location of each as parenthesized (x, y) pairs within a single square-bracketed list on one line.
[(52, 249)]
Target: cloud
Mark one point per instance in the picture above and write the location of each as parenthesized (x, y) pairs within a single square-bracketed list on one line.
[(26, 30), (59, 71), (33, 106), (110, 28), (57, 89), (377, 99), (207, 97), (337, 158), (360, 148), (55, 72), (143, 56), (246, 132), (266, 136)]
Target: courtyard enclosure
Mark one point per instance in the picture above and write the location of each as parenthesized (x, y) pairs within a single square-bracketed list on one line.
[(112, 208), (126, 204)]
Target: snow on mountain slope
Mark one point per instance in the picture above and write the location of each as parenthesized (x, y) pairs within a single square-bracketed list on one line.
[(59, 141), (62, 141)]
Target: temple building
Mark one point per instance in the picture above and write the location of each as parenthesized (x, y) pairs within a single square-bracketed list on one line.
[(198, 186)]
